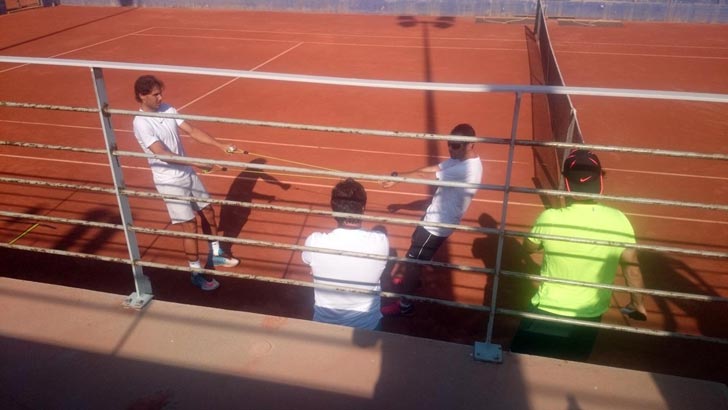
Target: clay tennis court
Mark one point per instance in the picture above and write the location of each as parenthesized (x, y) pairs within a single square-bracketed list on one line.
[(403, 48)]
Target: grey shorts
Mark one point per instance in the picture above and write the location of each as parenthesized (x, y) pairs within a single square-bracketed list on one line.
[(183, 210)]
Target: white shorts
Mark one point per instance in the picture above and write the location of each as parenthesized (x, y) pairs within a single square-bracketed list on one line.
[(190, 186)]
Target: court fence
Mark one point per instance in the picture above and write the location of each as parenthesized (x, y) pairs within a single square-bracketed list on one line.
[(495, 11), (486, 350)]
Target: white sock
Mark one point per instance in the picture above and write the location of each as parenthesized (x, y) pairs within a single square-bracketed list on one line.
[(195, 265), (215, 247)]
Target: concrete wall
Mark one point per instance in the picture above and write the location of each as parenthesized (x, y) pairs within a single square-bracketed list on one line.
[(694, 11)]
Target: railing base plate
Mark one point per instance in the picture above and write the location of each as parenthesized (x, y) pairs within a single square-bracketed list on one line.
[(136, 301), (488, 352)]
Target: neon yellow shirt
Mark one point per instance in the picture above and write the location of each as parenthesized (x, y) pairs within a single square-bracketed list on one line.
[(578, 261)]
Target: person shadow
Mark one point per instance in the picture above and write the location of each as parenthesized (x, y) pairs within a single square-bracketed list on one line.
[(661, 271), (232, 217), (513, 293)]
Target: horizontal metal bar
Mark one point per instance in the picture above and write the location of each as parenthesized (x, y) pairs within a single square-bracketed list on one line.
[(685, 251), (607, 326), (481, 308), (299, 248), (358, 82)]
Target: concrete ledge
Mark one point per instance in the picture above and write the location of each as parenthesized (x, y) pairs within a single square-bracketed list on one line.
[(71, 348)]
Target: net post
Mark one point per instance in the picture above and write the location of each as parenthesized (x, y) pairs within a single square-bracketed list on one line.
[(143, 286)]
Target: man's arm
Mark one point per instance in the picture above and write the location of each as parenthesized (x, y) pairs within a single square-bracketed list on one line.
[(633, 276), (203, 137), (160, 149), (422, 173)]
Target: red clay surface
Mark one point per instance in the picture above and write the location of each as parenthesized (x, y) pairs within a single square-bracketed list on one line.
[(645, 56)]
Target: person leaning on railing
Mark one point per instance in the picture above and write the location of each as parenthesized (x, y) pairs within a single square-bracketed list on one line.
[(448, 205), (586, 219)]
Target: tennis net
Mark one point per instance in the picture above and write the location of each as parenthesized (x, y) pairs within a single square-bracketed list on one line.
[(554, 114)]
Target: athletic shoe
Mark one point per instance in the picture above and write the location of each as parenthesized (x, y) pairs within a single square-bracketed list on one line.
[(203, 283), (225, 261), (398, 279), (396, 308)]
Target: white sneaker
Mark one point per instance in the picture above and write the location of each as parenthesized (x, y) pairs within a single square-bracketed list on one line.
[(221, 260)]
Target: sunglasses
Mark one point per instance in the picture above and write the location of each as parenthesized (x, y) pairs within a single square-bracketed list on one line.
[(455, 145)]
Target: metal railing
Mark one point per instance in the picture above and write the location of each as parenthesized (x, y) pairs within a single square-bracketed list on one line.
[(484, 351)]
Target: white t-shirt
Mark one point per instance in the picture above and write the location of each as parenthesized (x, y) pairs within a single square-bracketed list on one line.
[(149, 130), (345, 308), (450, 203)]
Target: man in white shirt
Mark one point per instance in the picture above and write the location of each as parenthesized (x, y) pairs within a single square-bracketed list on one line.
[(448, 206), (339, 307), (160, 136)]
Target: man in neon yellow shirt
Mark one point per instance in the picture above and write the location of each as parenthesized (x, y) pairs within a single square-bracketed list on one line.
[(583, 218)]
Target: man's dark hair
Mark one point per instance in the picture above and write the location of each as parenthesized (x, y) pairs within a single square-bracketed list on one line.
[(463, 129), (348, 196), (145, 84)]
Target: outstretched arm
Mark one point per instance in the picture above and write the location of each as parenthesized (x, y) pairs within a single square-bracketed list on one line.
[(203, 137), (633, 276), (160, 149), (422, 173)]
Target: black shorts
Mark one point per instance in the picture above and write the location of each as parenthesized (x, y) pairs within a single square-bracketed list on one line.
[(558, 340), (424, 244)]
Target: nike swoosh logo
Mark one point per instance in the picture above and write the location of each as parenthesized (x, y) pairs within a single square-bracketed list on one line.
[(585, 179)]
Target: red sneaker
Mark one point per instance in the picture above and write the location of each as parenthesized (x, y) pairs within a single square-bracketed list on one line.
[(397, 279), (396, 308)]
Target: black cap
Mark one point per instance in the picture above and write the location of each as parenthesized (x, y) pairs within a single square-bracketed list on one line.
[(583, 172)]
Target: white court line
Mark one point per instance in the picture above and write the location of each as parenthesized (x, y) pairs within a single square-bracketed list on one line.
[(287, 145), (330, 43), (298, 34), (235, 79), (100, 42), (279, 144), (582, 44), (476, 200), (217, 38), (671, 174), (641, 55), (81, 48), (85, 127), (276, 57)]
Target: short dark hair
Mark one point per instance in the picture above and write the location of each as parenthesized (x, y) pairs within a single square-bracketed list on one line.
[(463, 129), (348, 196), (145, 84)]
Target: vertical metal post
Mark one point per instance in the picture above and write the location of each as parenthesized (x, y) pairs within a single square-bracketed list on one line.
[(487, 351), (143, 293), (537, 25), (569, 138)]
